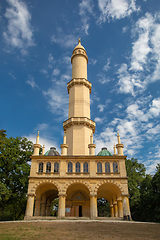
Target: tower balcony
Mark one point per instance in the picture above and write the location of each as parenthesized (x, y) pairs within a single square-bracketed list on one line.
[(79, 121)]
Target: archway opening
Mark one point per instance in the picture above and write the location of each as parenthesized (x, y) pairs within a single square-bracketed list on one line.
[(103, 207), (107, 196), (77, 201), (46, 194)]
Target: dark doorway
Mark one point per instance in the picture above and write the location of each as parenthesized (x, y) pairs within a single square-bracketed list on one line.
[(80, 211)]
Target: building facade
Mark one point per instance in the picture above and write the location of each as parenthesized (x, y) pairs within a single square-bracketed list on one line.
[(78, 177)]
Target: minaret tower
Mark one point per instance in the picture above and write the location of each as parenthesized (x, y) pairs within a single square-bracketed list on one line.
[(79, 127)]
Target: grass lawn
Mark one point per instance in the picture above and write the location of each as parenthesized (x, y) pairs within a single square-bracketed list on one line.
[(78, 230)]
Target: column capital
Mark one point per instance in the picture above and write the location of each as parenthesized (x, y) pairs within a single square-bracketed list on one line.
[(115, 203), (62, 195), (93, 195), (31, 195), (125, 195)]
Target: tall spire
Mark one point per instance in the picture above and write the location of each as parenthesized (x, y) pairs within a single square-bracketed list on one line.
[(36, 146), (79, 126), (119, 146)]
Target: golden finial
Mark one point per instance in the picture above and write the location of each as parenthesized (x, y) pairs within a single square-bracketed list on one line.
[(79, 40), (38, 133), (117, 133)]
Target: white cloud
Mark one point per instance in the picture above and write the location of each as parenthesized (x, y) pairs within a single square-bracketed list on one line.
[(56, 72), (101, 107), (107, 65), (116, 9), (57, 100), (32, 82), (67, 41), (103, 79), (155, 107), (99, 120), (85, 8), (144, 67), (50, 60), (42, 127), (92, 61), (128, 82), (19, 33)]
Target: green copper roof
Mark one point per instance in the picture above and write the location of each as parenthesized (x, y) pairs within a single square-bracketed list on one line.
[(104, 152), (52, 152)]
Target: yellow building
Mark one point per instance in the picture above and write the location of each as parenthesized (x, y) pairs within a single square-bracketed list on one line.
[(78, 177)]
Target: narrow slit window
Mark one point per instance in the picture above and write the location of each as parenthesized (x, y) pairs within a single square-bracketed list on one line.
[(70, 167), (56, 167), (78, 167), (48, 167), (40, 167), (115, 167), (107, 167), (99, 167), (85, 167)]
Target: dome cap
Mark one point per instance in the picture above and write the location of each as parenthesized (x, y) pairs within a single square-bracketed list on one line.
[(104, 152), (79, 45), (52, 152)]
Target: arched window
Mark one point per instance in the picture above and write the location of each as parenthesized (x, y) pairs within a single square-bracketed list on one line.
[(56, 167), (115, 167), (99, 167), (48, 167), (85, 167), (78, 167), (107, 167), (70, 167), (40, 167)]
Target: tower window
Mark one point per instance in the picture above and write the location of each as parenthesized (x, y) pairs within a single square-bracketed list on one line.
[(107, 167), (99, 167), (78, 167), (85, 167), (70, 167), (115, 167), (56, 167), (40, 167), (48, 167)]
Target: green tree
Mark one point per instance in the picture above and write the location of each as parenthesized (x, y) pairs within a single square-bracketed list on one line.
[(103, 207), (136, 174), (14, 170), (156, 194)]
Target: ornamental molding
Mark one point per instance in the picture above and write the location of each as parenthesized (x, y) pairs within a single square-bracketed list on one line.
[(82, 81), (68, 184), (109, 181), (79, 121), (34, 188), (79, 51)]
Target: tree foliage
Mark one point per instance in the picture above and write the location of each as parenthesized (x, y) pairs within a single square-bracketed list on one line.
[(14, 170), (144, 191)]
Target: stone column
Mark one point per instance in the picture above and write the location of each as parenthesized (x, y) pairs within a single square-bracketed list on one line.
[(115, 209), (43, 206), (30, 205), (93, 206), (48, 205), (37, 209), (120, 208), (61, 205), (126, 208), (111, 210)]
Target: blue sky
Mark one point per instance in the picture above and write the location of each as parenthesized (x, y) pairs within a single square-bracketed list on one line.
[(122, 40)]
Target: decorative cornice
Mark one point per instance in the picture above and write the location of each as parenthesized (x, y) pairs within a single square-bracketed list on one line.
[(79, 121), (83, 81), (91, 145), (79, 51)]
